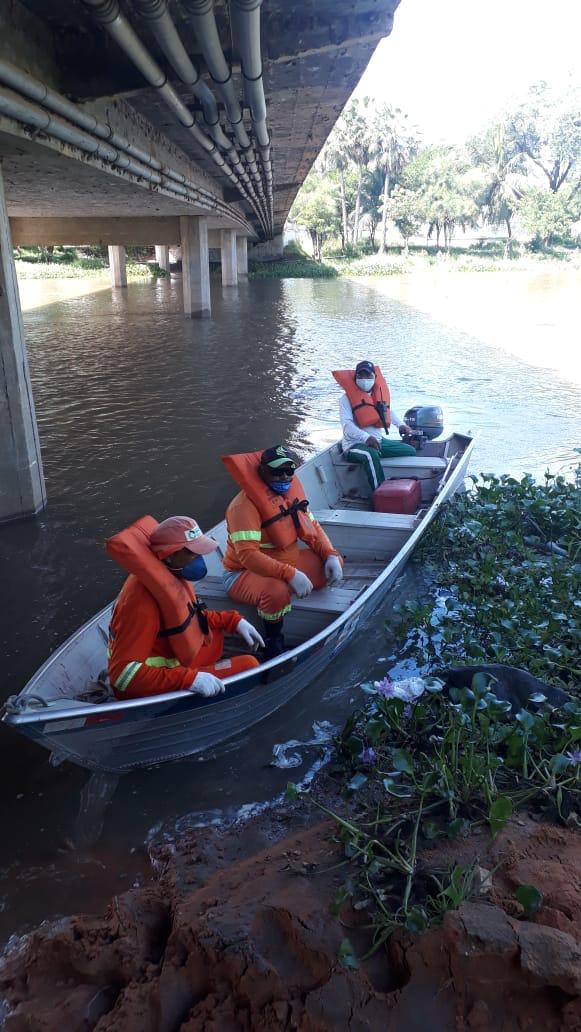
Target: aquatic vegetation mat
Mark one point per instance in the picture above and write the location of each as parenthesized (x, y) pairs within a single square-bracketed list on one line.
[(507, 561)]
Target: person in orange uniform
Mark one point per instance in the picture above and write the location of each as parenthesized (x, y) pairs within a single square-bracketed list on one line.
[(162, 638), (366, 417), (263, 564)]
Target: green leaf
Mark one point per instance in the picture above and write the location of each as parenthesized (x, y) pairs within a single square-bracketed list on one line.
[(357, 781), (525, 719), (559, 763), (458, 827), (530, 899), (479, 683), (291, 792), (354, 745), (500, 811), (402, 760), (417, 919), (346, 955), (397, 790)]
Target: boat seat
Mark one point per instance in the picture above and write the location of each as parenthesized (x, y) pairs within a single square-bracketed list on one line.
[(359, 518), (328, 600), (417, 464)]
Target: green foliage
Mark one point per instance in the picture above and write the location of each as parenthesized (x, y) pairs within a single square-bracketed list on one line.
[(304, 268), (316, 208), (544, 214), (406, 209), (432, 768), (546, 130), (507, 560)]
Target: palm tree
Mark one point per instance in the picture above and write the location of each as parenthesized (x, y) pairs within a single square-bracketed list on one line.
[(355, 131), (336, 156), (395, 142), (505, 172)]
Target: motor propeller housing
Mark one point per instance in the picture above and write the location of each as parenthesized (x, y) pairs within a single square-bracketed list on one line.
[(426, 422)]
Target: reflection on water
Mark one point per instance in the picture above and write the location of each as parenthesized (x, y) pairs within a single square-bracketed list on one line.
[(135, 406)]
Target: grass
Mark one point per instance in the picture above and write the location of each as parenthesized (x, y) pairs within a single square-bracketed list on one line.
[(298, 268), (86, 269)]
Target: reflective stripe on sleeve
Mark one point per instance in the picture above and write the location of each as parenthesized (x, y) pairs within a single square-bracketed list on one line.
[(129, 672), (245, 535), (127, 675)]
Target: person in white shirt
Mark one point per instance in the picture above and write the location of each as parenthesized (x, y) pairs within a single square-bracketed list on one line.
[(366, 416)]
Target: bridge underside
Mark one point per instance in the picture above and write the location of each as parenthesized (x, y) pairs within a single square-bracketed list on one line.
[(314, 53)]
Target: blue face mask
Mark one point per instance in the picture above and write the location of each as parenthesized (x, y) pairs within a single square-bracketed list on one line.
[(195, 570), (280, 486)]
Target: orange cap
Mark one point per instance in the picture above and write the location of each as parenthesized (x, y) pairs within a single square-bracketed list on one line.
[(180, 532)]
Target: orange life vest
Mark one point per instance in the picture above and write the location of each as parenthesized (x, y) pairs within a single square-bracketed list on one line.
[(370, 408), (184, 620), (285, 518)]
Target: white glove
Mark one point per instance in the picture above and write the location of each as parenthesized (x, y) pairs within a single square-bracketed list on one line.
[(250, 635), (300, 584), (333, 570), (207, 685)]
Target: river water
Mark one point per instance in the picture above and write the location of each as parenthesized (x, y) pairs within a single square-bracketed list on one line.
[(135, 405)]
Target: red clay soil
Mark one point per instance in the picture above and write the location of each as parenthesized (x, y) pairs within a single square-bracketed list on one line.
[(237, 934)]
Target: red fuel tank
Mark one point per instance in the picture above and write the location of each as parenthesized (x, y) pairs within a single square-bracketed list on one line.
[(400, 496)]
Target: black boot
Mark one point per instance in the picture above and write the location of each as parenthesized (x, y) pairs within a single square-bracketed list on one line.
[(273, 639)]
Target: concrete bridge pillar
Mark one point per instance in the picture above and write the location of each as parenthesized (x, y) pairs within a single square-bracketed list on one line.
[(228, 250), (242, 255), (117, 256), (162, 256), (22, 491), (195, 266)]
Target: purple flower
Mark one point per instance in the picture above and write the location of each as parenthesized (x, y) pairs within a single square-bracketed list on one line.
[(385, 688), (574, 757), (407, 712), (368, 755)]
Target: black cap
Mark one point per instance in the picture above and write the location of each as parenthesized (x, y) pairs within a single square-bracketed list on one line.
[(364, 367), (278, 460)]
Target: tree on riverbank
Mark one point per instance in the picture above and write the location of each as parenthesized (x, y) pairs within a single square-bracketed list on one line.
[(511, 170)]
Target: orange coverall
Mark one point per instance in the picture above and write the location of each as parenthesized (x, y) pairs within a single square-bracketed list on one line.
[(267, 569), (142, 664)]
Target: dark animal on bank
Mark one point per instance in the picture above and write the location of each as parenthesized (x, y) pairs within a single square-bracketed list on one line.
[(509, 685)]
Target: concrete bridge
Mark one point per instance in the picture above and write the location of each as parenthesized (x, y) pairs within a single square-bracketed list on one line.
[(161, 122)]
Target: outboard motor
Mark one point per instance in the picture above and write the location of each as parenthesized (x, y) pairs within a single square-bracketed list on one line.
[(426, 421)]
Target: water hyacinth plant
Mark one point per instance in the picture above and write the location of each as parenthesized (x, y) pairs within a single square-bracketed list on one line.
[(507, 561), (457, 760)]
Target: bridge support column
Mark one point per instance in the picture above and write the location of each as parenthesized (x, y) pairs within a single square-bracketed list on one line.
[(162, 256), (228, 249), (195, 266), (22, 491), (242, 255), (117, 257)]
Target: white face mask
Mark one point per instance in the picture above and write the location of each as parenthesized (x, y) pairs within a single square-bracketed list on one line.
[(365, 383)]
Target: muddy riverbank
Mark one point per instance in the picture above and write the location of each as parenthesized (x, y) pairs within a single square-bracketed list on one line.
[(236, 930)]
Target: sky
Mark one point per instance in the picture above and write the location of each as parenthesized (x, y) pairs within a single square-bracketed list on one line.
[(453, 65)]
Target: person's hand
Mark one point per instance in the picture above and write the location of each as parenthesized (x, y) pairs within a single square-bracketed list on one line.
[(333, 570), (405, 430), (206, 685), (372, 442), (301, 585), (250, 635)]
